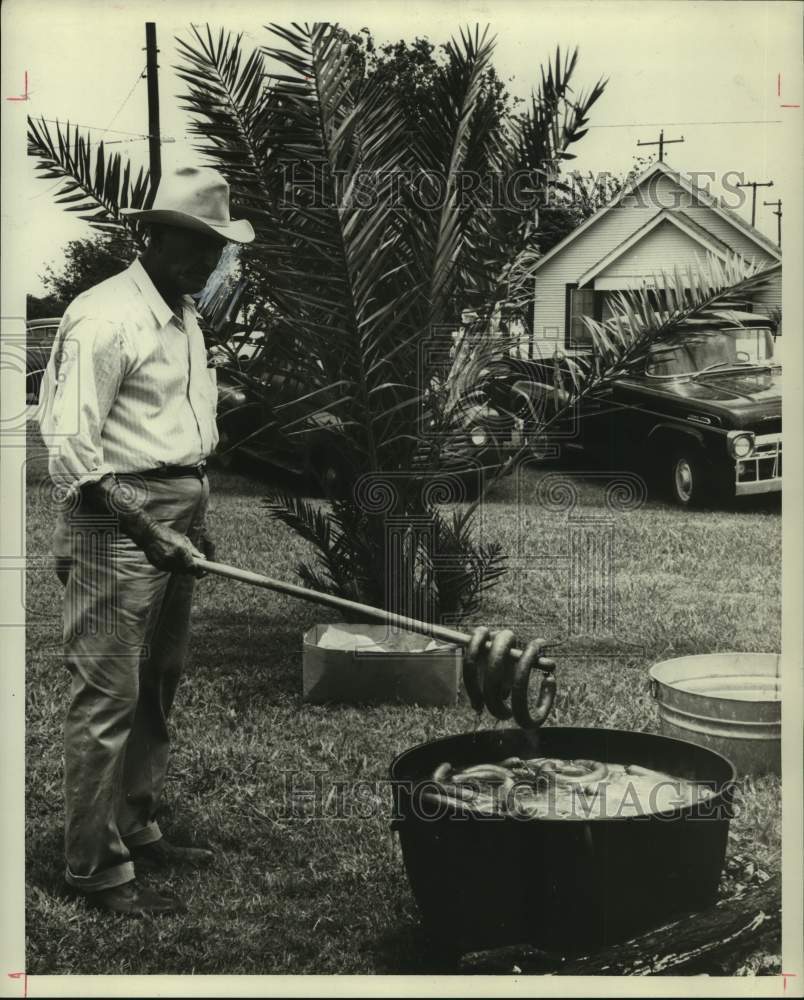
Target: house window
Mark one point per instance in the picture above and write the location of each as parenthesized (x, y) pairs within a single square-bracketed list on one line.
[(580, 302)]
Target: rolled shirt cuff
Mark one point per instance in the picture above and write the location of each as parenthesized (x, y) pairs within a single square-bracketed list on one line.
[(68, 485)]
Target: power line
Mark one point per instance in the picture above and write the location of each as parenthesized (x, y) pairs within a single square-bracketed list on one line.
[(110, 142), (759, 121), (125, 102), (139, 138), (96, 128)]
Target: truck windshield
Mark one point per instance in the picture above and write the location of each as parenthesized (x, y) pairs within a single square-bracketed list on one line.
[(693, 351)]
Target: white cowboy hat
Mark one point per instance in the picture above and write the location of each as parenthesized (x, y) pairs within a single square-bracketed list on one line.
[(194, 198)]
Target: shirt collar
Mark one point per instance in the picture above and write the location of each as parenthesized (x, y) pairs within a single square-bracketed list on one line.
[(161, 310)]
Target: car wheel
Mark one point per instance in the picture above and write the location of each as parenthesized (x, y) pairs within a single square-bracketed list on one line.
[(330, 479), (687, 479)]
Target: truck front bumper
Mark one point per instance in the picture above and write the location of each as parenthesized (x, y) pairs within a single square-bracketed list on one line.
[(761, 472)]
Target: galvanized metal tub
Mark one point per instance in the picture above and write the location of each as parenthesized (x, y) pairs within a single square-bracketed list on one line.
[(728, 702)]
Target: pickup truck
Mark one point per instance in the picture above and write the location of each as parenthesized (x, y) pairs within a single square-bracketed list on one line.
[(700, 415)]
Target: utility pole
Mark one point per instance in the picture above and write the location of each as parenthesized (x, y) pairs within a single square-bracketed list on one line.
[(154, 147), (778, 214), (754, 185), (661, 143)]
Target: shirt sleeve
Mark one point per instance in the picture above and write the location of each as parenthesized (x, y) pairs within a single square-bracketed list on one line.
[(80, 385)]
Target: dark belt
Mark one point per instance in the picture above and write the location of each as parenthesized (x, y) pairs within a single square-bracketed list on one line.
[(171, 471)]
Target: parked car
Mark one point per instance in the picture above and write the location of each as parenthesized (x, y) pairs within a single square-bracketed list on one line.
[(251, 410), (240, 347), (250, 413), (512, 399), (40, 334), (701, 414), (477, 447)]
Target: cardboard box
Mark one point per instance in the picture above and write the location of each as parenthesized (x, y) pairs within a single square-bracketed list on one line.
[(367, 675)]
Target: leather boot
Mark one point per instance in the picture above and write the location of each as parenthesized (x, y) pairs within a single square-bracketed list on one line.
[(133, 899), (162, 854)]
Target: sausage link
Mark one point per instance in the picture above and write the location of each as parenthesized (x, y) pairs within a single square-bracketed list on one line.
[(498, 672), (519, 690), (473, 661)]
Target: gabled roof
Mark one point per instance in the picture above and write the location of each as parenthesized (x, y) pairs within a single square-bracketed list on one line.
[(681, 221), (705, 235), (695, 192)]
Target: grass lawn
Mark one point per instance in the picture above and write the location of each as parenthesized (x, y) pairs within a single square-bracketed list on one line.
[(296, 892)]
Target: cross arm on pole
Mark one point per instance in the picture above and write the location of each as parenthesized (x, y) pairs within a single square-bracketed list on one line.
[(661, 142)]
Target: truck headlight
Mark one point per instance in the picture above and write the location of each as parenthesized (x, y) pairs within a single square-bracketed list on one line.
[(478, 436), (741, 444)]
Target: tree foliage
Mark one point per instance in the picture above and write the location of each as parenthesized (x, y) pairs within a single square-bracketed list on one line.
[(43, 307), (86, 263)]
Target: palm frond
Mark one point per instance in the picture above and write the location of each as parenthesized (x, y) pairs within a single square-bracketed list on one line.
[(227, 97), (671, 302), (94, 185), (454, 139), (469, 571), (554, 121)]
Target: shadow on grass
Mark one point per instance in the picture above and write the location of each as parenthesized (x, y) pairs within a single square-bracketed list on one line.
[(407, 949), (264, 656)]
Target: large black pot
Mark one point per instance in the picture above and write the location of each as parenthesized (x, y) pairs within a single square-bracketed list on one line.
[(565, 885)]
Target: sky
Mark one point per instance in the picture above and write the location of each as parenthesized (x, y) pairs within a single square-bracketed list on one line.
[(716, 73)]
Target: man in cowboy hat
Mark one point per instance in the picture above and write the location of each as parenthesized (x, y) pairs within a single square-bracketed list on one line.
[(128, 415)]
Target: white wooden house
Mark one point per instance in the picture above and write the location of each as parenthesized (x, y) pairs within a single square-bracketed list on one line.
[(661, 221)]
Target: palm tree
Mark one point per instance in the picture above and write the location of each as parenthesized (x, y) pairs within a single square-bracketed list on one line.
[(368, 251), (368, 246)]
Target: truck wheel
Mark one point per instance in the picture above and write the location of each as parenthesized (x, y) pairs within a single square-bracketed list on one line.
[(686, 478)]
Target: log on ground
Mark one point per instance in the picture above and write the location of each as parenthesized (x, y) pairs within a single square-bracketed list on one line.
[(706, 941)]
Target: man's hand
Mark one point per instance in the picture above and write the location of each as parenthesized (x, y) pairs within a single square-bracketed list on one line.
[(171, 551), (164, 548)]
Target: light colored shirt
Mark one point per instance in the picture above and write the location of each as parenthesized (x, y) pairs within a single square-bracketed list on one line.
[(127, 386)]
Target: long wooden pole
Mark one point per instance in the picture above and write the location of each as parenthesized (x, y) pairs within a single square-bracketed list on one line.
[(154, 146), (341, 603), (754, 185), (661, 143), (778, 213)]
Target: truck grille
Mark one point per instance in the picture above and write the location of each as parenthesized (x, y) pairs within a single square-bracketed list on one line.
[(761, 472)]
